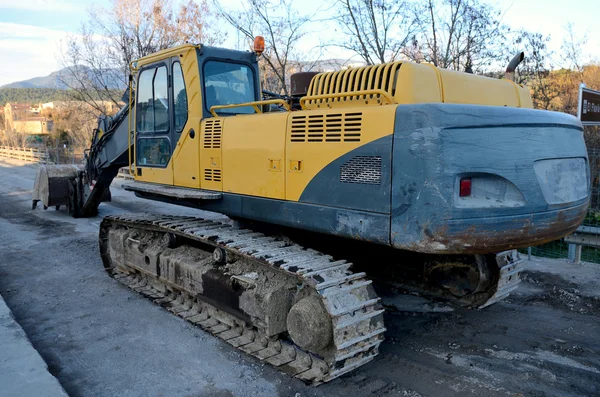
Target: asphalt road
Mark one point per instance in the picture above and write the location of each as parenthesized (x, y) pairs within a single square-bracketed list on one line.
[(101, 339)]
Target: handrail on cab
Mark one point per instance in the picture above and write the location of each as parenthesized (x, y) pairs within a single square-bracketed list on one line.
[(256, 105), (385, 95)]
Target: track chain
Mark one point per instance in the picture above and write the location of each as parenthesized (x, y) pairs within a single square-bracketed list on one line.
[(356, 314)]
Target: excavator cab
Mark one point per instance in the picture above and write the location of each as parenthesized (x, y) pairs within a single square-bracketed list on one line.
[(175, 91)]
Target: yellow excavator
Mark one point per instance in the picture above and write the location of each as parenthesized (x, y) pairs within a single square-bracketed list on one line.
[(431, 177)]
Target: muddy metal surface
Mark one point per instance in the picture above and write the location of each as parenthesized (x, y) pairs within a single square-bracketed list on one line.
[(101, 339)]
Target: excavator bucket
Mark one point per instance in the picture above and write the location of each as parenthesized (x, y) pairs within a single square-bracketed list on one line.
[(51, 185)]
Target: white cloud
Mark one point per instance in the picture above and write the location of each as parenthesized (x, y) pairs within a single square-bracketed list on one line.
[(28, 51)]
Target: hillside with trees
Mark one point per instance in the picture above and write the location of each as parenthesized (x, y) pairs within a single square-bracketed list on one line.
[(31, 95)]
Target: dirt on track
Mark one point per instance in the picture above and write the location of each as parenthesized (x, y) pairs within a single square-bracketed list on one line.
[(101, 339)]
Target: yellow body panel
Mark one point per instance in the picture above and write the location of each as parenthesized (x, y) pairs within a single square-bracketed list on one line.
[(525, 95), (418, 83), (186, 154), (317, 137), (186, 158), (466, 88), (254, 154), (164, 176), (163, 54)]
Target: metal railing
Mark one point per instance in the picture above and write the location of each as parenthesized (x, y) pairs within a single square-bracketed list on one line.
[(584, 236), (33, 155), (124, 173)]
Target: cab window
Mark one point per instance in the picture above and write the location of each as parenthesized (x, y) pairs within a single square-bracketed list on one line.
[(179, 98), (153, 152), (153, 100), (227, 84), (153, 146)]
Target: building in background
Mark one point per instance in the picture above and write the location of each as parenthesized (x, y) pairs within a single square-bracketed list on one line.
[(23, 118), (109, 107)]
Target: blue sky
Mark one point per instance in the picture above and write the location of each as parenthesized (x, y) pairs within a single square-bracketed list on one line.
[(31, 31)]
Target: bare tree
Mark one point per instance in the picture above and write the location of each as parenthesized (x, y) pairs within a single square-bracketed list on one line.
[(464, 35), (572, 48), (74, 122), (283, 26), (378, 31), (97, 60), (14, 139), (536, 67)]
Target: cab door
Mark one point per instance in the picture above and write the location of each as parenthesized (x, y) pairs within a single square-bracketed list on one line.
[(153, 125), (187, 115)]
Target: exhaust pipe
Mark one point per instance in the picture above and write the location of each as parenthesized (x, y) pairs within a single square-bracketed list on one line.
[(509, 74)]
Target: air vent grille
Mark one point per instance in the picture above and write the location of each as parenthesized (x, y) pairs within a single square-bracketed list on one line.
[(212, 175), (212, 134), (362, 169), (340, 127), (376, 77)]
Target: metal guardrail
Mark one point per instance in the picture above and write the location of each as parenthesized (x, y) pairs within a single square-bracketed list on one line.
[(26, 154), (584, 236)]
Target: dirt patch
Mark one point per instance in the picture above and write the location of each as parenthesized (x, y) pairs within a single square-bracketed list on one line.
[(560, 293)]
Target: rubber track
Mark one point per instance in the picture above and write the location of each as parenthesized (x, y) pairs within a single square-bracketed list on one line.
[(339, 289)]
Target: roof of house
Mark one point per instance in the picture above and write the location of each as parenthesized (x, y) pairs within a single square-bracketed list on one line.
[(19, 105), (36, 118)]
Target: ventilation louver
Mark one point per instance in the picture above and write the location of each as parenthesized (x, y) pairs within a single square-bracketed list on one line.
[(362, 169), (341, 127), (212, 134), (212, 175)]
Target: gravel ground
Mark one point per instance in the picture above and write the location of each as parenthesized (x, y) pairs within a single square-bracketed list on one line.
[(101, 339)]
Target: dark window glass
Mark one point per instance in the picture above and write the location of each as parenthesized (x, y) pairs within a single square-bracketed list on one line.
[(153, 101), (153, 151), (179, 97), (228, 84)]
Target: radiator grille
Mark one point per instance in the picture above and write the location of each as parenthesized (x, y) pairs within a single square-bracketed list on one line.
[(212, 134), (362, 169), (212, 175), (382, 77), (341, 127)]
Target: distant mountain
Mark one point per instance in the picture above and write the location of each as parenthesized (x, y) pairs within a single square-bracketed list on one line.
[(53, 80), (50, 81)]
